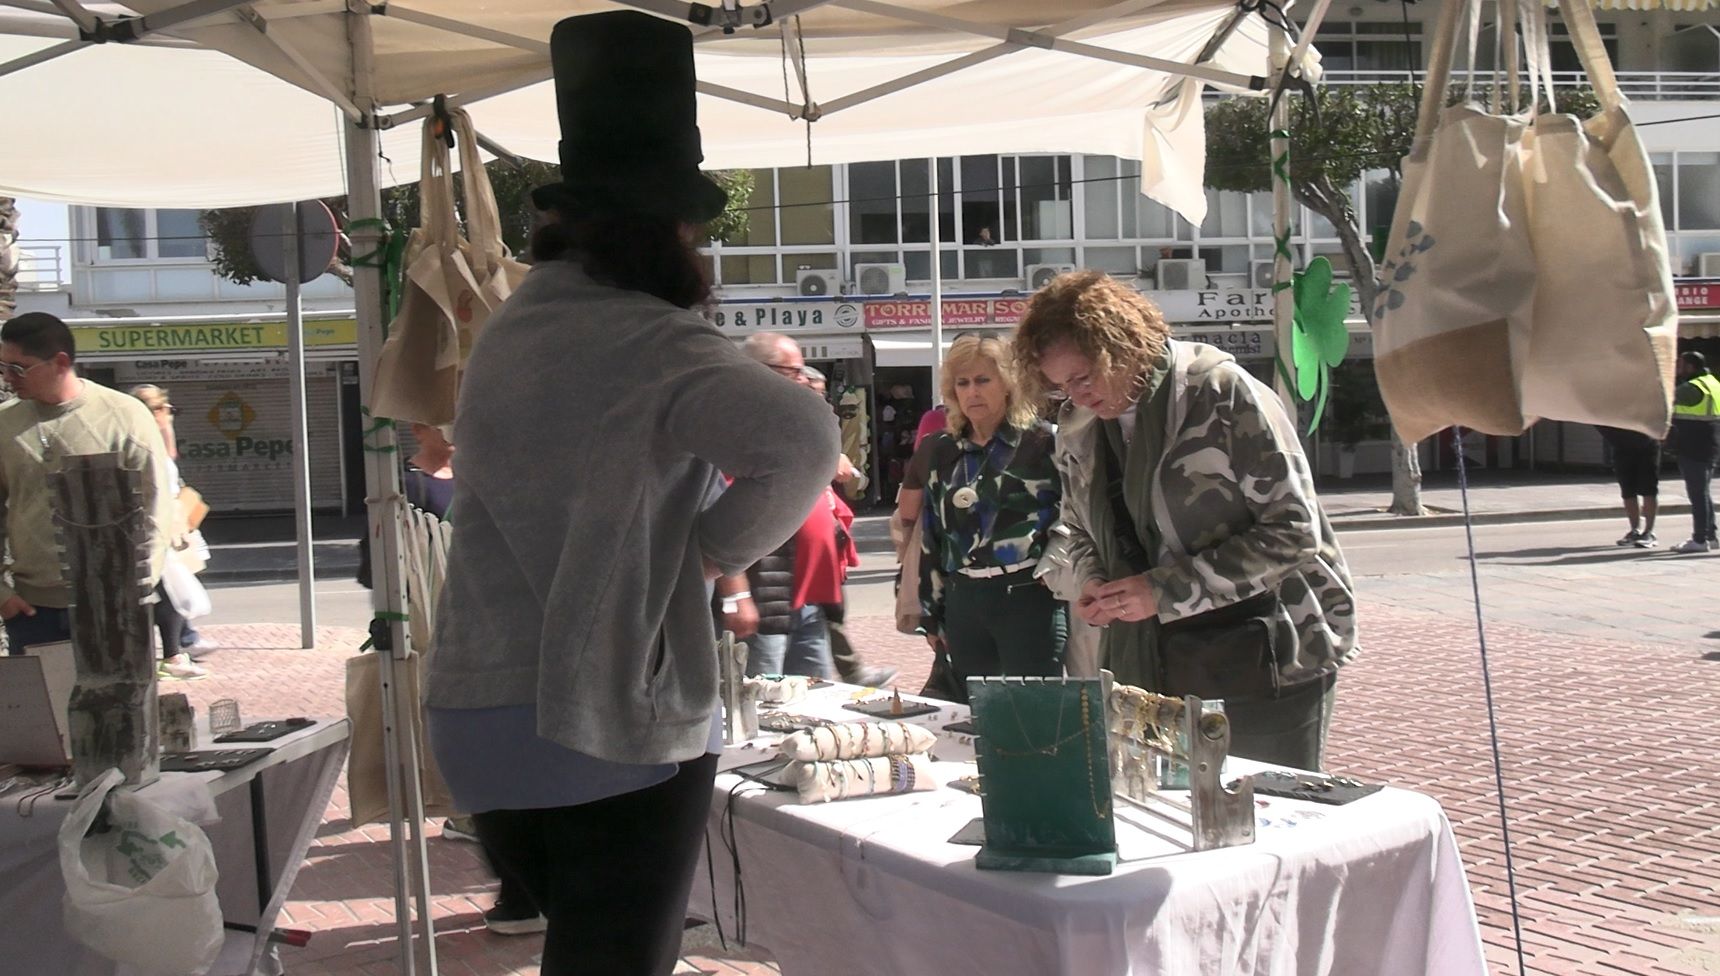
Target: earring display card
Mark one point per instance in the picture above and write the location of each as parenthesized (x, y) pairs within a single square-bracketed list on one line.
[(1045, 777), (1317, 787)]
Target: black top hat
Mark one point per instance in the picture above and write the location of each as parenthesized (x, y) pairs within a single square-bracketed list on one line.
[(629, 120)]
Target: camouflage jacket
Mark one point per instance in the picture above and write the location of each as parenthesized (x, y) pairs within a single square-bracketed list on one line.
[(1233, 500)]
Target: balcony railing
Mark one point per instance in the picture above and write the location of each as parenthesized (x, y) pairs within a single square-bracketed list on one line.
[(40, 268), (1641, 85)]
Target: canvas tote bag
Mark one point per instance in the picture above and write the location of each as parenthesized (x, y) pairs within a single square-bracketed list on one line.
[(1605, 320), (1451, 321), (452, 283)]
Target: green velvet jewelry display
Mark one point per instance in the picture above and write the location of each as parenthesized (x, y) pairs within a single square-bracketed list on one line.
[(1044, 775)]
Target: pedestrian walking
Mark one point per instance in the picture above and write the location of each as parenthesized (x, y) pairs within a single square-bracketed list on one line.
[(1696, 438), (179, 595), (572, 694), (1636, 465), (58, 413)]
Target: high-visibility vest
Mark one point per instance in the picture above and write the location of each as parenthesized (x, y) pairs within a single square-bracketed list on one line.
[(1709, 408)]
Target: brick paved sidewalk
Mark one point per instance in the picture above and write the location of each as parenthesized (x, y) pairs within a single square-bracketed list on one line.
[(1609, 772)]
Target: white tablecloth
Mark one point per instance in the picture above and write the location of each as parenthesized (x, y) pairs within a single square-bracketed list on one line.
[(872, 886), (298, 777)]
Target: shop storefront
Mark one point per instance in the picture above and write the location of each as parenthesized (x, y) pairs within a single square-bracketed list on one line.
[(230, 381)]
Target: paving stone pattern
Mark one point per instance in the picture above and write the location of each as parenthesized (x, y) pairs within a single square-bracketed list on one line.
[(1608, 754)]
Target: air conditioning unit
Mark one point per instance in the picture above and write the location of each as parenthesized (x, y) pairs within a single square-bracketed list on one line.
[(817, 283), (1040, 275), (880, 279), (1260, 274), (1708, 265), (1182, 274)]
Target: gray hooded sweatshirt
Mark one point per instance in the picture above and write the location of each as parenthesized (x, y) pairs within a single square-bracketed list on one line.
[(592, 426)]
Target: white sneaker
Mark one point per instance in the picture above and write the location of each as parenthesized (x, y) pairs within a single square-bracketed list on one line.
[(180, 667), (1692, 545)]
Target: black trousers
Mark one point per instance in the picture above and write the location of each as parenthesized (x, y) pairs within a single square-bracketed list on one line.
[(613, 876), (1288, 731), (1003, 625), (168, 622)]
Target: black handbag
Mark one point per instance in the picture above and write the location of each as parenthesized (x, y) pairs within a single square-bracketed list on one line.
[(942, 683), (1230, 652)]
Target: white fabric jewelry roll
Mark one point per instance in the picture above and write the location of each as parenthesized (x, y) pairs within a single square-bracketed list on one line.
[(857, 740), (819, 782), (779, 691)]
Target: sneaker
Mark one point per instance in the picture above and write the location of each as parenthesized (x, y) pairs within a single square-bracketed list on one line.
[(1646, 541), (180, 667), (875, 677), (1629, 538), (503, 920), (1713, 544), (201, 643), (1694, 545), (460, 828)]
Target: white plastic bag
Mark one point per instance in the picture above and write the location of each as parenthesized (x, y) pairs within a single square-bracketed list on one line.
[(184, 589), (141, 892)]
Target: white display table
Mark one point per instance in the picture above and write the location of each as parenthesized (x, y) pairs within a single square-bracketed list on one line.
[(872, 887)]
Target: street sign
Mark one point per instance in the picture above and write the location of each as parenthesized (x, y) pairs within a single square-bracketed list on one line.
[(318, 239)]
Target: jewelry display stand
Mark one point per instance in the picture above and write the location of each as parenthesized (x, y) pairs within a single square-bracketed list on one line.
[(99, 515), (740, 704), (1044, 775), (1144, 726)]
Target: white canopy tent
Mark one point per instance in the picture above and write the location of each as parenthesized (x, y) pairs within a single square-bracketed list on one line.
[(227, 102)]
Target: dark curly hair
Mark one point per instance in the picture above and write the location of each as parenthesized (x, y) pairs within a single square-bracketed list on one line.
[(632, 251)]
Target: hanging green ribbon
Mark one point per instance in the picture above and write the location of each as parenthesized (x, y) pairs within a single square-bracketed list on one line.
[(376, 426), (385, 617), (388, 257)]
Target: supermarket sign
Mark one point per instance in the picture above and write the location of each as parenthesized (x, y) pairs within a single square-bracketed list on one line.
[(158, 338)]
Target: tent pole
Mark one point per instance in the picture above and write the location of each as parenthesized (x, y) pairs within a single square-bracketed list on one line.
[(937, 289), (301, 429), (1283, 262), (382, 482)]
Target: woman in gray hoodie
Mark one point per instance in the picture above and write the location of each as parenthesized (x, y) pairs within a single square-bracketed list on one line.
[(572, 691)]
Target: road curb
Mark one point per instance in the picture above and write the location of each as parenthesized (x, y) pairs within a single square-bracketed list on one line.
[(1375, 521)]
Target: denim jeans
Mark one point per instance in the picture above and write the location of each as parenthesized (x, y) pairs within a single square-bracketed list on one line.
[(49, 625), (1698, 483), (805, 649)]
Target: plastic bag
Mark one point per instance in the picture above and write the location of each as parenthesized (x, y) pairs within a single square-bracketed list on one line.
[(142, 891), (184, 589)]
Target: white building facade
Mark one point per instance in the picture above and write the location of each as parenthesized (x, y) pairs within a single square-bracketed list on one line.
[(840, 257)]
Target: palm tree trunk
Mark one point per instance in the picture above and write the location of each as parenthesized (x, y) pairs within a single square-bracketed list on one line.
[(9, 257)]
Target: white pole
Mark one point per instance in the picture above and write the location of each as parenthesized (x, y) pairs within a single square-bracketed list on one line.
[(937, 292), (1283, 301), (301, 427), (382, 486)]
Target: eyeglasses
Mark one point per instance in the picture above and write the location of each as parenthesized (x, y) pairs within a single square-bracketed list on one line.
[(792, 372), (17, 371), (172, 410), (1067, 391)]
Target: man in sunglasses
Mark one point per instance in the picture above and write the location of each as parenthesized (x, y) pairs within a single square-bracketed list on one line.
[(56, 413)]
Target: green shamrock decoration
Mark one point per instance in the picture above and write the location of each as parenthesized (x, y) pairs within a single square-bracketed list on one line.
[(1319, 339)]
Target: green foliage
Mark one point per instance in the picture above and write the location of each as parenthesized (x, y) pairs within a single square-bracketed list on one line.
[(1357, 413)]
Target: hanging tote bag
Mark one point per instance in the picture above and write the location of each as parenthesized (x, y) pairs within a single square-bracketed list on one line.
[(1452, 318), (452, 283), (1605, 330)]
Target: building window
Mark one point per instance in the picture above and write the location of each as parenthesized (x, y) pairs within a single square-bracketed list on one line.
[(872, 204), (1698, 190), (1047, 198), (808, 205), (1370, 46), (131, 235)]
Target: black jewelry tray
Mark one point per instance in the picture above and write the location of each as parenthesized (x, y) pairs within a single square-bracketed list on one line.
[(266, 731), (885, 708)]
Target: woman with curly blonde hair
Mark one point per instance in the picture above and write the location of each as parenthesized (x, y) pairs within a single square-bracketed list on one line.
[(1194, 535), (991, 497)]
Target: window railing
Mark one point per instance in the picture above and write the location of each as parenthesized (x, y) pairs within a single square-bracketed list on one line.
[(40, 268), (1644, 85)]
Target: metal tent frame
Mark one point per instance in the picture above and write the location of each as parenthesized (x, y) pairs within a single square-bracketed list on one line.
[(82, 26)]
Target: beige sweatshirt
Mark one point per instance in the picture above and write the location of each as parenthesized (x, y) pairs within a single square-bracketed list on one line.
[(32, 436)]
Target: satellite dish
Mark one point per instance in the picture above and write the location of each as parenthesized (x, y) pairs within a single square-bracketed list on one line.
[(318, 239)]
